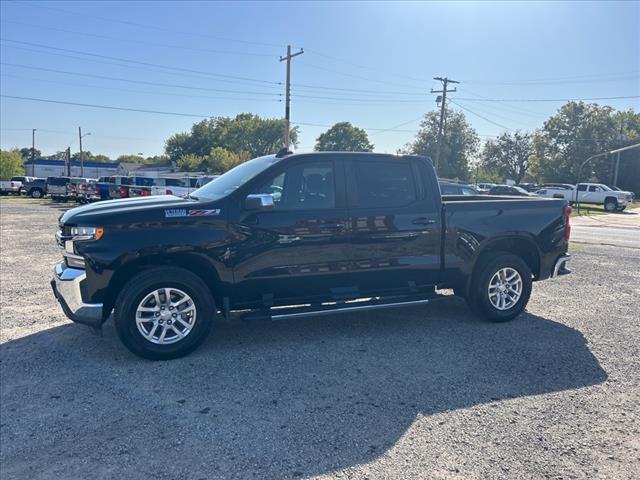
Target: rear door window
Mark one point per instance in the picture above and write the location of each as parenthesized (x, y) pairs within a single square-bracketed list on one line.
[(383, 184)]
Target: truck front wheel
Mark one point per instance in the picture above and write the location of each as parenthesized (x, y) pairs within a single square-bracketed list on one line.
[(164, 313), (500, 288)]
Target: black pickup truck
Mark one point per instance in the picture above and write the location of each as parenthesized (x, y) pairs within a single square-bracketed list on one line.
[(294, 235)]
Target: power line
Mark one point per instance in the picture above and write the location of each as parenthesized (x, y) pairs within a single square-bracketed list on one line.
[(144, 92), (546, 99), (481, 116), (159, 112), (357, 76), (107, 107), (593, 78), (148, 69), (141, 42), (154, 27), (137, 62), (141, 82)]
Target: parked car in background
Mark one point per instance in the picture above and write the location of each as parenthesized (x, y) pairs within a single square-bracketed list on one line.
[(529, 187), (77, 188), (180, 187), (566, 192), (204, 179), (23, 180), (10, 187), (141, 187), (511, 190), (35, 188), (566, 186), (601, 194), (119, 187), (57, 188), (452, 188), (484, 188)]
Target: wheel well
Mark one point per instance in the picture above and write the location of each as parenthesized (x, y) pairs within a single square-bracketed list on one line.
[(192, 262), (610, 198), (521, 247)]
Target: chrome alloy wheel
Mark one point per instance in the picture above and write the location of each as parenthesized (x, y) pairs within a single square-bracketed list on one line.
[(505, 288), (166, 315)]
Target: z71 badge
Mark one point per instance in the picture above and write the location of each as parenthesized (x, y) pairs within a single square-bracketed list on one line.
[(205, 213)]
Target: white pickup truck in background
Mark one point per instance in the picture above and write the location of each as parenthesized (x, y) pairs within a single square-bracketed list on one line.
[(601, 194), (12, 186), (589, 193)]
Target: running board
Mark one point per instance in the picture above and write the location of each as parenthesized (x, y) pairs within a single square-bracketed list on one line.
[(281, 313)]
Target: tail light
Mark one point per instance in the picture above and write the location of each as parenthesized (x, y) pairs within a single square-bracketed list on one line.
[(567, 222), (169, 192), (123, 192), (97, 190), (145, 193)]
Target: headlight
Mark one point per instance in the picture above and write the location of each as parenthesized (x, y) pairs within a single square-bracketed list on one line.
[(86, 233)]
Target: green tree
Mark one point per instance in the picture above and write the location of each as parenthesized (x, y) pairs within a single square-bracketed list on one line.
[(578, 131), (343, 137), (25, 153), (131, 158), (509, 155), (460, 143), (10, 164), (219, 160), (100, 158), (191, 163), (244, 133)]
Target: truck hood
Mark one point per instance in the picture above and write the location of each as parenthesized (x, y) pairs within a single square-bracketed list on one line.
[(149, 208)]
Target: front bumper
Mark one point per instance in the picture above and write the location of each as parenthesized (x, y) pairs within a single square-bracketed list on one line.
[(66, 288)]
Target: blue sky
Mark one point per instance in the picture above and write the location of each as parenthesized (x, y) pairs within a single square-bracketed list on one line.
[(368, 63)]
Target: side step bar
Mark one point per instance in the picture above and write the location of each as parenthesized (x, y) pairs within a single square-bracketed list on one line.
[(336, 308)]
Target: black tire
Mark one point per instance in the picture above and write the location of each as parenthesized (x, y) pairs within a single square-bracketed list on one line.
[(36, 193), (610, 204), (146, 282), (478, 298)]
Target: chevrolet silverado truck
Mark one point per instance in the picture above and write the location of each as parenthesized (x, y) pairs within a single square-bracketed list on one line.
[(296, 235)]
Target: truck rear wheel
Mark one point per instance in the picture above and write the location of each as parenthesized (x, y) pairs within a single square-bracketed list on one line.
[(164, 313), (500, 288), (36, 193)]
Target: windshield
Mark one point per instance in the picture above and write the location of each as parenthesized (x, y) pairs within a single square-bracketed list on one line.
[(234, 178), (521, 190)]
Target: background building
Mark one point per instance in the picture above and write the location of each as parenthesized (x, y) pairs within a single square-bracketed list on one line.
[(56, 168)]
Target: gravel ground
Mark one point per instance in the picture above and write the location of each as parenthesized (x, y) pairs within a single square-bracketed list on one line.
[(427, 392)]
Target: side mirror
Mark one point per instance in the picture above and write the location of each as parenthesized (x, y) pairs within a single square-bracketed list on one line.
[(259, 201)]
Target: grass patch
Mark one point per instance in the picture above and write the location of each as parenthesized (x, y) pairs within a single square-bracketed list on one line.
[(576, 247), (588, 210)]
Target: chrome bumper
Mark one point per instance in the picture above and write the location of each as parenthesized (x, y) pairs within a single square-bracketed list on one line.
[(560, 267), (66, 288)]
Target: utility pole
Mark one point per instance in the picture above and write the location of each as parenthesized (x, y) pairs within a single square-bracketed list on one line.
[(615, 171), (33, 144), (445, 81), (68, 161), (81, 156), (287, 110)]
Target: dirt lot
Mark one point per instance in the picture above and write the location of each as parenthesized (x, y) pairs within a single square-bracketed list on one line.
[(428, 392)]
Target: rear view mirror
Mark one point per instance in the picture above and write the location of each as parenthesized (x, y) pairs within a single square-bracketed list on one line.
[(260, 201)]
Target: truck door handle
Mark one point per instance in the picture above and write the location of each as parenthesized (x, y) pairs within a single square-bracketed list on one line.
[(423, 221), (333, 225)]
